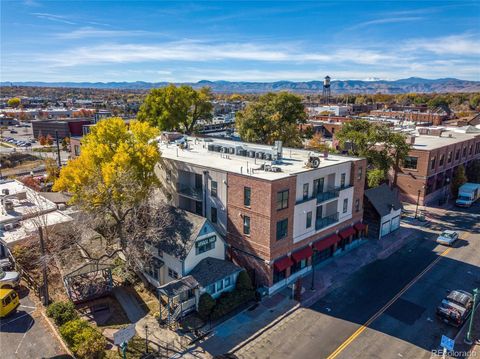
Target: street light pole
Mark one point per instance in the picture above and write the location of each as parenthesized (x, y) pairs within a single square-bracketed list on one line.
[(146, 338), (418, 200), (468, 338)]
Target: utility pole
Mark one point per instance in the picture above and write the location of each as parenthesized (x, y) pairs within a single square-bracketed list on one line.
[(46, 299), (418, 200), (58, 150), (468, 338)]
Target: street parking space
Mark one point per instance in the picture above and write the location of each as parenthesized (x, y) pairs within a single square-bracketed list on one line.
[(26, 333)]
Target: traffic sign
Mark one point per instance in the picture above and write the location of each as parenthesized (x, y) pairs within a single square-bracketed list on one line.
[(447, 343), (124, 335)]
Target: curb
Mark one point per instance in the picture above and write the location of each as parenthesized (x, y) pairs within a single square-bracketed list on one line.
[(264, 329), (57, 335)]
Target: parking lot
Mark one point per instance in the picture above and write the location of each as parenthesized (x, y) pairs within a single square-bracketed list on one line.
[(18, 136), (26, 333)]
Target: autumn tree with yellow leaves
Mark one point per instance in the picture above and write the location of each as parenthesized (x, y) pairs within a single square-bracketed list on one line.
[(114, 172)]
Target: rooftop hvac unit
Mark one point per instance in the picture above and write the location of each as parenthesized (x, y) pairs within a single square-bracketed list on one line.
[(268, 156), (210, 147), (231, 150), (260, 155), (224, 149), (251, 154), (313, 161), (5, 192), (241, 152), (8, 205), (217, 148), (276, 169)]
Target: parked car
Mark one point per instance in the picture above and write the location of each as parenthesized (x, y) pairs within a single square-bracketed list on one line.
[(9, 279), (455, 307), (9, 301), (447, 238), (5, 264), (13, 131)]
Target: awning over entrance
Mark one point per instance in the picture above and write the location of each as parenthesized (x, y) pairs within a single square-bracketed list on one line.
[(282, 264), (347, 233), (360, 226), (302, 254), (326, 242)]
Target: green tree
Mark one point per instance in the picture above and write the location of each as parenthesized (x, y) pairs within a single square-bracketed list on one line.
[(84, 340), (273, 116), (62, 312), (14, 102), (244, 282), (317, 144), (375, 177), (114, 172), (205, 306), (458, 180), (176, 108), (473, 172)]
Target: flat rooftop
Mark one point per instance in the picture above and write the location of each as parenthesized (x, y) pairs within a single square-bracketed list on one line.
[(293, 161), (449, 136)]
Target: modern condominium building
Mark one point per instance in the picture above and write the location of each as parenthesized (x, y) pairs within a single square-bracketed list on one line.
[(280, 209)]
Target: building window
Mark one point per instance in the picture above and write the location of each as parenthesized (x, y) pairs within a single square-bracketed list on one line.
[(410, 162), (299, 265), (432, 163), (282, 200), (360, 173), (442, 160), (219, 285), (309, 219), (318, 186), (342, 180), (464, 152), (305, 191), (213, 214), (213, 189), (172, 273), (345, 205), (205, 245), (357, 205), (212, 288), (228, 281), (449, 158), (282, 228), (457, 155), (246, 225), (247, 191), (278, 276)]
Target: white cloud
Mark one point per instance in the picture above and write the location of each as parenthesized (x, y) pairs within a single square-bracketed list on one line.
[(387, 20), (449, 45), (87, 32), (53, 17)]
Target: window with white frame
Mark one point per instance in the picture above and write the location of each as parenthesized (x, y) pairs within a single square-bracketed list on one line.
[(172, 273), (228, 281), (205, 244)]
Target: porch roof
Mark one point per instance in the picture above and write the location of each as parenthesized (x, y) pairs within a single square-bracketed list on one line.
[(176, 287), (211, 270)]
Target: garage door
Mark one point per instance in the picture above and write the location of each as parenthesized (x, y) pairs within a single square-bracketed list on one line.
[(385, 228), (395, 223)]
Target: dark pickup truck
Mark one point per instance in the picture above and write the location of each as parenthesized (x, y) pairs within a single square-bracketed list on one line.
[(455, 307)]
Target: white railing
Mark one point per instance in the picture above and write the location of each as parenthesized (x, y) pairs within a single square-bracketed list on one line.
[(284, 282)]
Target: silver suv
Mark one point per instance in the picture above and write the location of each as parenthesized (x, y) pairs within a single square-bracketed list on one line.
[(9, 279)]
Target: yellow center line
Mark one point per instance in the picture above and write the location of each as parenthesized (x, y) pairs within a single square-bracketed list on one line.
[(360, 330)]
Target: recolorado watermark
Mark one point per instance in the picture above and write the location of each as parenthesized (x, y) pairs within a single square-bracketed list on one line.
[(438, 353)]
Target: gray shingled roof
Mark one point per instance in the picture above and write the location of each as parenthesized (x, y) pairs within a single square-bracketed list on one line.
[(383, 199), (176, 287), (181, 233), (210, 270)]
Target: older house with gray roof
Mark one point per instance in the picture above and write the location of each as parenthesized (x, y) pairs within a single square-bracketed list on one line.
[(188, 261), (382, 211)]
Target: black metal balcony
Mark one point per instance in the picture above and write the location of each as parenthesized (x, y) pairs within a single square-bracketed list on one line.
[(190, 192), (326, 221)]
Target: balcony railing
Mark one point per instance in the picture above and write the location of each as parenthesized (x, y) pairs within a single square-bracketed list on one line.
[(189, 191), (326, 221)]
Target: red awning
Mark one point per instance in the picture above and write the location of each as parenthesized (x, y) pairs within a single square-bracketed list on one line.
[(326, 242), (360, 226), (347, 232), (302, 254), (282, 264)]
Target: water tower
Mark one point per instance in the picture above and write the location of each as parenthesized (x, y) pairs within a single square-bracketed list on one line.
[(326, 89)]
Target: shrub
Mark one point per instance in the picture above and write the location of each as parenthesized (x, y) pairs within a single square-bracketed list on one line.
[(228, 301), (244, 282), (205, 306), (62, 312), (84, 340)]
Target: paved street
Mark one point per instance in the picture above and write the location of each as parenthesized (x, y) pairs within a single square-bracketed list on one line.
[(26, 334), (396, 297)]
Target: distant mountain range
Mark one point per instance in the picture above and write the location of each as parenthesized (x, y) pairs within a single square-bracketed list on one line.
[(412, 84)]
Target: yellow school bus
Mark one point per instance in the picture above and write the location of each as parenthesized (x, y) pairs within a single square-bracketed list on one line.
[(8, 301)]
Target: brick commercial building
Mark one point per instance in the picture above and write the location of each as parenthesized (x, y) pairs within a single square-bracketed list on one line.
[(436, 154), (278, 209), (64, 127), (434, 118)]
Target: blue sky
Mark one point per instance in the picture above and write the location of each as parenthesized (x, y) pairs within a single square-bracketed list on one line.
[(238, 41)]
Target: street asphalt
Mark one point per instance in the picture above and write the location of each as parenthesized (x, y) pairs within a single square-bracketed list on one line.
[(386, 309), (26, 334)]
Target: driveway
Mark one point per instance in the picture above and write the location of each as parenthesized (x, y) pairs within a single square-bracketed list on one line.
[(26, 334)]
